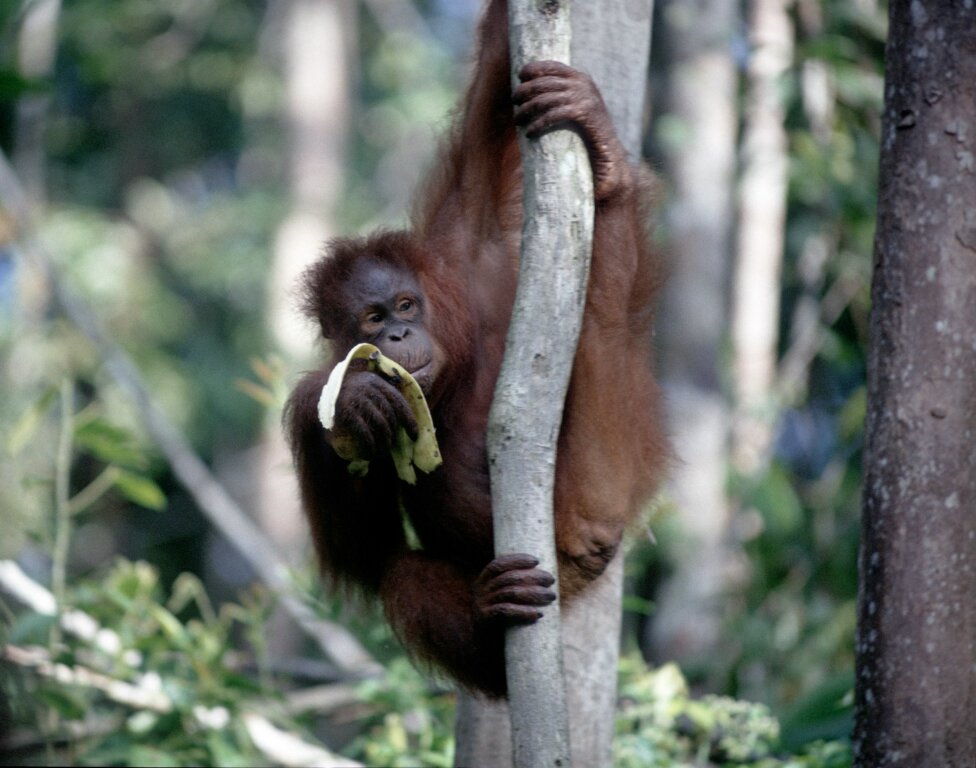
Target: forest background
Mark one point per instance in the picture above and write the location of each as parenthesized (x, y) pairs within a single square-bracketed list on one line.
[(173, 166)]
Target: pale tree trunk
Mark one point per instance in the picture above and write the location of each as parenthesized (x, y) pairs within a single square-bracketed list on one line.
[(37, 47), (526, 411), (611, 42), (916, 639), (315, 39), (699, 103), (761, 232), (591, 645)]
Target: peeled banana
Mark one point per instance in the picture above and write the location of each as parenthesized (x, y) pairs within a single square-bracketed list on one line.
[(422, 453)]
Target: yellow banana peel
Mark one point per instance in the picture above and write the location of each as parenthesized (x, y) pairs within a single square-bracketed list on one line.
[(422, 453)]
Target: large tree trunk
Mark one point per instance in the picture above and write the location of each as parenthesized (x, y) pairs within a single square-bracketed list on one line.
[(916, 642), (698, 102), (611, 42)]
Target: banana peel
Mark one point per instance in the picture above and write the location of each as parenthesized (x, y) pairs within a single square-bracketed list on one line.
[(408, 454)]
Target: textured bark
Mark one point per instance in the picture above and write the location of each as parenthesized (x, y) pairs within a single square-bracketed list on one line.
[(591, 645), (916, 643)]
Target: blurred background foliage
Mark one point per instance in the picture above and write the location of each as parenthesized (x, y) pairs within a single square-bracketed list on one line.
[(161, 183)]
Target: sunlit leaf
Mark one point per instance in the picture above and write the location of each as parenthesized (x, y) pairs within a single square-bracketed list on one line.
[(140, 490), (256, 392), (169, 624)]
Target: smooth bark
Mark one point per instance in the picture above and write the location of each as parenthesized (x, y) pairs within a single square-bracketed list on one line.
[(611, 42), (37, 47), (696, 135), (526, 412), (761, 231)]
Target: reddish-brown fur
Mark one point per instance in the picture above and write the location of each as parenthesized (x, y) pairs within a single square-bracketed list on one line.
[(463, 248)]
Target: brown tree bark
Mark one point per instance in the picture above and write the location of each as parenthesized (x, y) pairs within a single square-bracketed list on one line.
[(916, 643)]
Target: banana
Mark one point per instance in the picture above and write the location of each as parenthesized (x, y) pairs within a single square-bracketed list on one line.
[(422, 453)]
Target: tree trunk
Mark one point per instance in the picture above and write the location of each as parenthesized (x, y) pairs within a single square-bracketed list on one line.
[(696, 131), (761, 231), (315, 36), (611, 42), (313, 39), (916, 642), (37, 48), (526, 412)]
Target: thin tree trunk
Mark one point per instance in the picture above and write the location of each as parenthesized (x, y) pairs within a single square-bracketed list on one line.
[(526, 412), (699, 103), (762, 230), (37, 48), (312, 39), (317, 35), (916, 642), (611, 42)]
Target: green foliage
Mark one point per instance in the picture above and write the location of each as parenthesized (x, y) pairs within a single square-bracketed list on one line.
[(407, 725), (177, 72), (164, 167), (116, 465), (659, 724), (159, 683)]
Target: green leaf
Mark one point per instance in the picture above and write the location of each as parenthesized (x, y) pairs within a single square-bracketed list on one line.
[(140, 490), (639, 605), (111, 444), (170, 625), (68, 703), (31, 627), (226, 752), (27, 424), (13, 86), (824, 713), (152, 757)]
